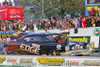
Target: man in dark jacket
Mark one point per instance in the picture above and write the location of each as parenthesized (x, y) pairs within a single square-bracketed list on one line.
[(88, 21)]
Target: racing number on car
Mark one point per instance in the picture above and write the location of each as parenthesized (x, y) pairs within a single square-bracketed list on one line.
[(29, 49)]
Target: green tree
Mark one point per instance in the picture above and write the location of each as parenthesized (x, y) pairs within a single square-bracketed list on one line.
[(54, 7)]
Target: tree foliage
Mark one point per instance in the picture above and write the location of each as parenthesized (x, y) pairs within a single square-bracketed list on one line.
[(56, 8)]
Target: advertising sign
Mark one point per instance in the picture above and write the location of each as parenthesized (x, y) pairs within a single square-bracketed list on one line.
[(79, 39), (50, 61), (5, 34), (11, 13), (97, 31)]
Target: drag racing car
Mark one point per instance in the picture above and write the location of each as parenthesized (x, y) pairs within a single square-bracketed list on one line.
[(34, 44), (78, 49)]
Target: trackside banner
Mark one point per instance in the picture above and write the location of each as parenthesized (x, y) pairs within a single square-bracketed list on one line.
[(45, 61), (79, 39)]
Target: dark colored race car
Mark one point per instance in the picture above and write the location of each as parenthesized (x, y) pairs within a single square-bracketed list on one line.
[(35, 44)]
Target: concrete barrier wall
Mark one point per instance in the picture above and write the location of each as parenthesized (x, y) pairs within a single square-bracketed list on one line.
[(85, 31), (48, 61)]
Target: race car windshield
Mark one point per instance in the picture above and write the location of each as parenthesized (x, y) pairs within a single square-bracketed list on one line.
[(47, 38), (33, 38)]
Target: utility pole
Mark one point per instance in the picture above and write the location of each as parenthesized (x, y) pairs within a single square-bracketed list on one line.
[(43, 8)]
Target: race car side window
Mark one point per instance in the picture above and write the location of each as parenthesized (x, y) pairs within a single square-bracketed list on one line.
[(27, 39), (36, 38), (33, 38)]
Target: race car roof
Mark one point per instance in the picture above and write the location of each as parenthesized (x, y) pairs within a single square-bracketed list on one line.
[(41, 34)]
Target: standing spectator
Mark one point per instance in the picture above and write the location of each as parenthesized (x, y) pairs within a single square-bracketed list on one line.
[(11, 27), (72, 25), (93, 11), (88, 21), (35, 26), (23, 28), (79, 22), (98, 22), (31, 26), (16, 2), (5, 3), (27, 26), (99, 10), (68, 25), (42, 24), (39, 26), (75, 22), (58, 24), (9, 3), (46, 26), (7, 25), (95, 18), (0, 4), (49, 25), (53, 23), (64, 22), (15, 26), (93, 22), (83, 22)]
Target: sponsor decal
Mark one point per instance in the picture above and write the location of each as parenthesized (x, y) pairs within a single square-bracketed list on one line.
[(35, 45), (5, 34), (91, 63), (26, 60), (2, 59), (73, 62), (14, 11), (97, 31), (50, 61), (33, 49), (11, 60), (80, 39), (16, 16)]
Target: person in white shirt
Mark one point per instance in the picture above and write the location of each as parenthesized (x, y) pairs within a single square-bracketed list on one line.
[(75, 22), (35, 26)]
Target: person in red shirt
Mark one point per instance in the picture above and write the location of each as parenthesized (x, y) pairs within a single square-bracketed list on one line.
[(84, 25), (0, 4), (93, 11)]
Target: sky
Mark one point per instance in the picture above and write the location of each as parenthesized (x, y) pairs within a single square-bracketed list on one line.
[(4, 0)]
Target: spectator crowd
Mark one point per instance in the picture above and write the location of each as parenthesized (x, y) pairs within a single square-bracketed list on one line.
[(52, 23), (9, 3)]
